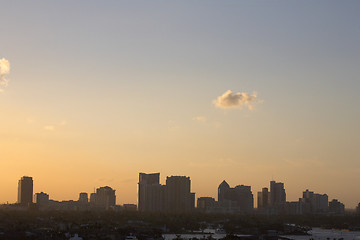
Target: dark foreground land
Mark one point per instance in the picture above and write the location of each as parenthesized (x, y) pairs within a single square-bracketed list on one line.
[(118, 225)]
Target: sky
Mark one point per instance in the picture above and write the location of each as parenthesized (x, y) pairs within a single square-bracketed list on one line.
[(94, 92)]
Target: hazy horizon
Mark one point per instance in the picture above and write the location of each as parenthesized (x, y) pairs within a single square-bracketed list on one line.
[(92, 93)]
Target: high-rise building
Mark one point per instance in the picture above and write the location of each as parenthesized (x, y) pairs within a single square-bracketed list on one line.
[(105, 197), (277, 193), (175, 196), (223, 191), (239, 199), (25, 190), (313, 202), (336, 207), (83, 197), (263, 198), (178, 196), (151, 194), (41, 198)]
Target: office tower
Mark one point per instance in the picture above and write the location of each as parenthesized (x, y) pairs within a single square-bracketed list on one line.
[(336, 207), (244, 198), (313, 202), (223, 191), (277, 194), (151, 194), (41, 198), (105, 197), (179, 199), (237, 199), (263, 198), (25, 190), (83, 197)]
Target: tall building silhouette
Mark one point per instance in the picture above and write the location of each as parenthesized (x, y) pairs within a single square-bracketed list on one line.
[(151, 193), (263, 198), (313, 202), (105, 197), (223, 191), (41, 198), (175, 196), (238, 199), (336, 207), (277, 193), (178, 194), (83, 197), (25, 190)]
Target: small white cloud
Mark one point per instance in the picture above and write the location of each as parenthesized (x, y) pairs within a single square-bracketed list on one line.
[(4, 71), (200, 119), (236, 100), (49, 128)]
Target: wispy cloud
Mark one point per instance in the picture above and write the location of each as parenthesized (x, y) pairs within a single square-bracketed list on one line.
[(4, 71), (236, 100), (49, 128), (200, 119), (54, 127)]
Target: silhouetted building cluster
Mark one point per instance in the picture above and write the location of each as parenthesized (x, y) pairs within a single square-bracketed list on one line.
[(234, 200), (103, 199), (237, 200), (175, 196)]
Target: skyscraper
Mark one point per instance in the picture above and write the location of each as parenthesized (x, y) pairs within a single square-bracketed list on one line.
[(105, 197), (178, 195), (25, 190), (83, 197), (223, 191), (277, 193), (238, 199), (151, 193), (175, 196), (263, 198), (313, 202)]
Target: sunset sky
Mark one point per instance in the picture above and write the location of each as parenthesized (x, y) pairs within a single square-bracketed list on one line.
[(94, 92)]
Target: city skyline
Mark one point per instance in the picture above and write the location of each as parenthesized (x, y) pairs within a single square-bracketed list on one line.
[(176, 197), (92, 93)]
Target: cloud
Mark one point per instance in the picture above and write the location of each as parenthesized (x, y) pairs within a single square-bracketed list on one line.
[(49, 128), (200, 119), (236, 100), (4, 71), (54, 127)]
